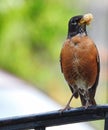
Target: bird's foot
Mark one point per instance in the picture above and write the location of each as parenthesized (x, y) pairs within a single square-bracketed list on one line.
[(65, 109), (87, 105)]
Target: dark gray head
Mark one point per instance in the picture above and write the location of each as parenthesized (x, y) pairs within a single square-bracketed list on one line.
[(75, 27)]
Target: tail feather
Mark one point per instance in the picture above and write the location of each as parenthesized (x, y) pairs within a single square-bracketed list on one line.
[(83, 101)]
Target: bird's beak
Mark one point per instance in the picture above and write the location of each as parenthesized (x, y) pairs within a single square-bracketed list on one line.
[(86, 19)]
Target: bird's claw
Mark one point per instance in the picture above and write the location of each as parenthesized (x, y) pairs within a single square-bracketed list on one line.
[(65, 109)]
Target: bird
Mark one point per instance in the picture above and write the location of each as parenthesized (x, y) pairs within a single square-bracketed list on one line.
[(80, 62)]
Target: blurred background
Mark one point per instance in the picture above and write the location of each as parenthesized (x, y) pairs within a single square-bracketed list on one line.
[(31, 37)]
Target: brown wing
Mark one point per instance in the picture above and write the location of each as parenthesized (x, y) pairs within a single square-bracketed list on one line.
[(92, 90)]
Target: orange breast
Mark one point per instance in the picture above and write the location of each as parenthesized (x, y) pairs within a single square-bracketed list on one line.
[(79, 60)]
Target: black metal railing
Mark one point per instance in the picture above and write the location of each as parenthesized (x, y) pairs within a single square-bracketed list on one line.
[(41, 121)]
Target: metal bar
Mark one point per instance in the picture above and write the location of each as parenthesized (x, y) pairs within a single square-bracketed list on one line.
[(106, 122), (54, 118)]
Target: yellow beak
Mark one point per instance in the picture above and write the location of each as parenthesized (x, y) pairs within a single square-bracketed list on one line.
[(87, 18)]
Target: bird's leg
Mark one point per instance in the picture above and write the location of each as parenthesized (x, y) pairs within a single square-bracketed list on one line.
[(87, 98), (87, 103), (67, 107)]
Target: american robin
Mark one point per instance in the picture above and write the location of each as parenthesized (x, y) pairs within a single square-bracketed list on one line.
[(80, 62)]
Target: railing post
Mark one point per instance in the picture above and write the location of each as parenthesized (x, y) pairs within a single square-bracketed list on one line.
[(106, 122), (40, 128)]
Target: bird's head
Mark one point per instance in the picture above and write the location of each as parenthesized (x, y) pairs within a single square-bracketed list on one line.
[(77, 24)]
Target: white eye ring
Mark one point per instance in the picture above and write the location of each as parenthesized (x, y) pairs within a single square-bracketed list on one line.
[(74, 23)]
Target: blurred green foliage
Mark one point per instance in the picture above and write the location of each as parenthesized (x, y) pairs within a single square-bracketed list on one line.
[(31, 36)]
